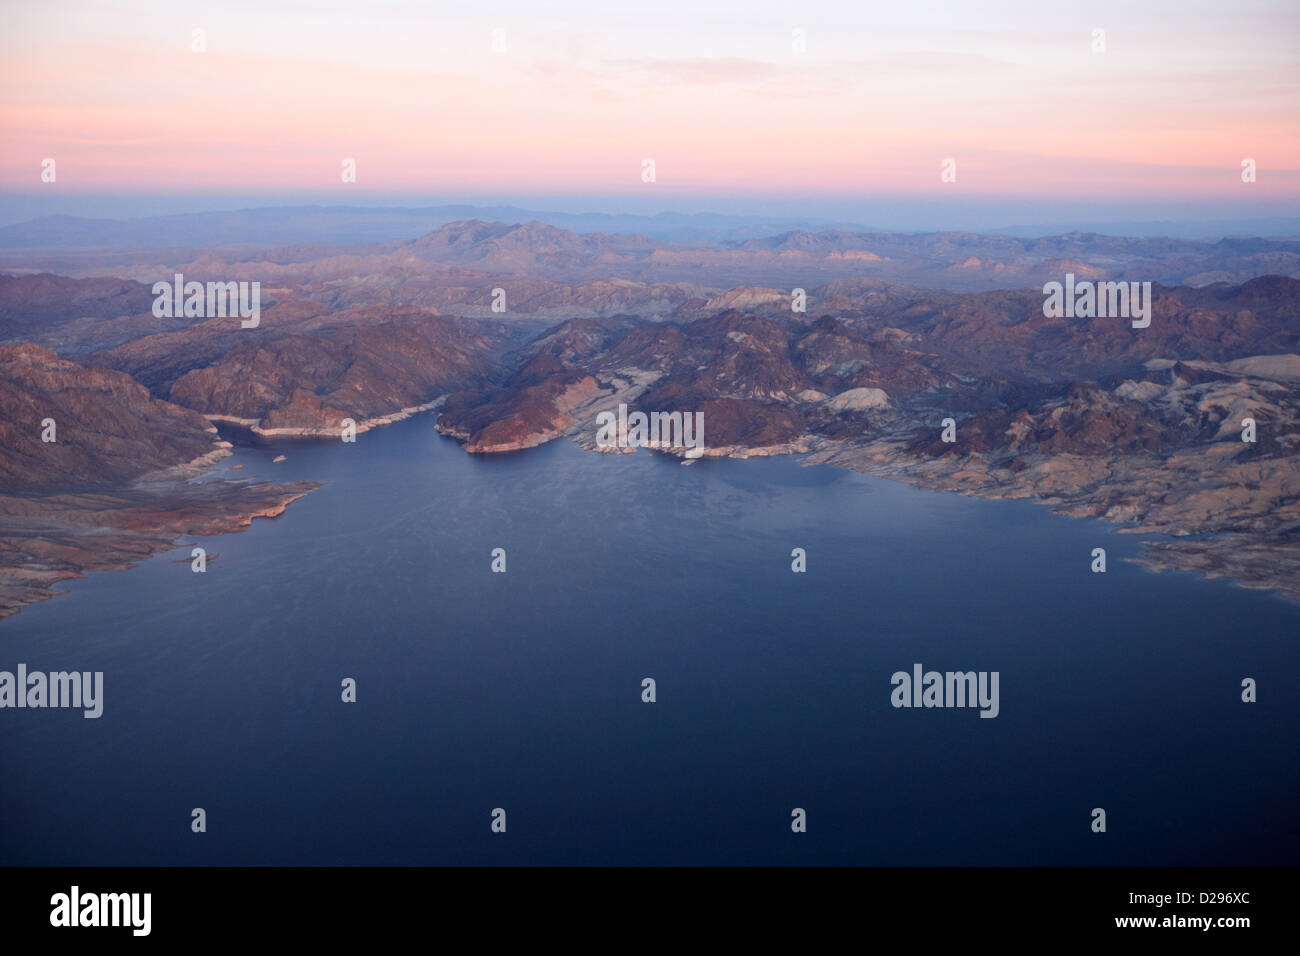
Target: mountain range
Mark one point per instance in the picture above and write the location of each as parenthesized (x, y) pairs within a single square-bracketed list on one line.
[(958, 384)]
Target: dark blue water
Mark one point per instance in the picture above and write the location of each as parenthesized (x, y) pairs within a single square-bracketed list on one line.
[(523, 690)]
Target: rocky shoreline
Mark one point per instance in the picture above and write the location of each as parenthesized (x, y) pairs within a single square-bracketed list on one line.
[(1253, 542), (49, 539), (333, 430), (124, 477), (1223, 509), (990, 399), (1189, 430)]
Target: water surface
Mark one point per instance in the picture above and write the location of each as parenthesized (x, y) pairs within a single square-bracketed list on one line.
[(523, 690)]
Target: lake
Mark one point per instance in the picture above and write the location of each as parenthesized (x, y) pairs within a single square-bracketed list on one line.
[(523, 690)]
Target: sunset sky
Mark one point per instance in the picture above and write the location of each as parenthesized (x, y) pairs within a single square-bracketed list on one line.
[(714, 92)]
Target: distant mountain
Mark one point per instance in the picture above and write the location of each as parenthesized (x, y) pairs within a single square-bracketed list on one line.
[(456, 265), (30, 302), (1279, 227), (471, 242), (45, 220), (286, 225)]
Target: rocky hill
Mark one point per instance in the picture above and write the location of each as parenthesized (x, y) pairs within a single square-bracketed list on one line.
[(1142, 426), (94, 475)]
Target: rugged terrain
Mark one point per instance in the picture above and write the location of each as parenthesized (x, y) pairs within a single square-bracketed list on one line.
[(551, 273), (114, 485), (1141, 427)]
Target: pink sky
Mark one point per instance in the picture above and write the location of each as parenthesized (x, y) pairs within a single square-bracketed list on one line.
[(566, 107)]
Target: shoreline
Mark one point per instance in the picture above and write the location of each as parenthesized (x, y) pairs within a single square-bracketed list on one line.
[(68, 534), (254, 425), (1247, 559)]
